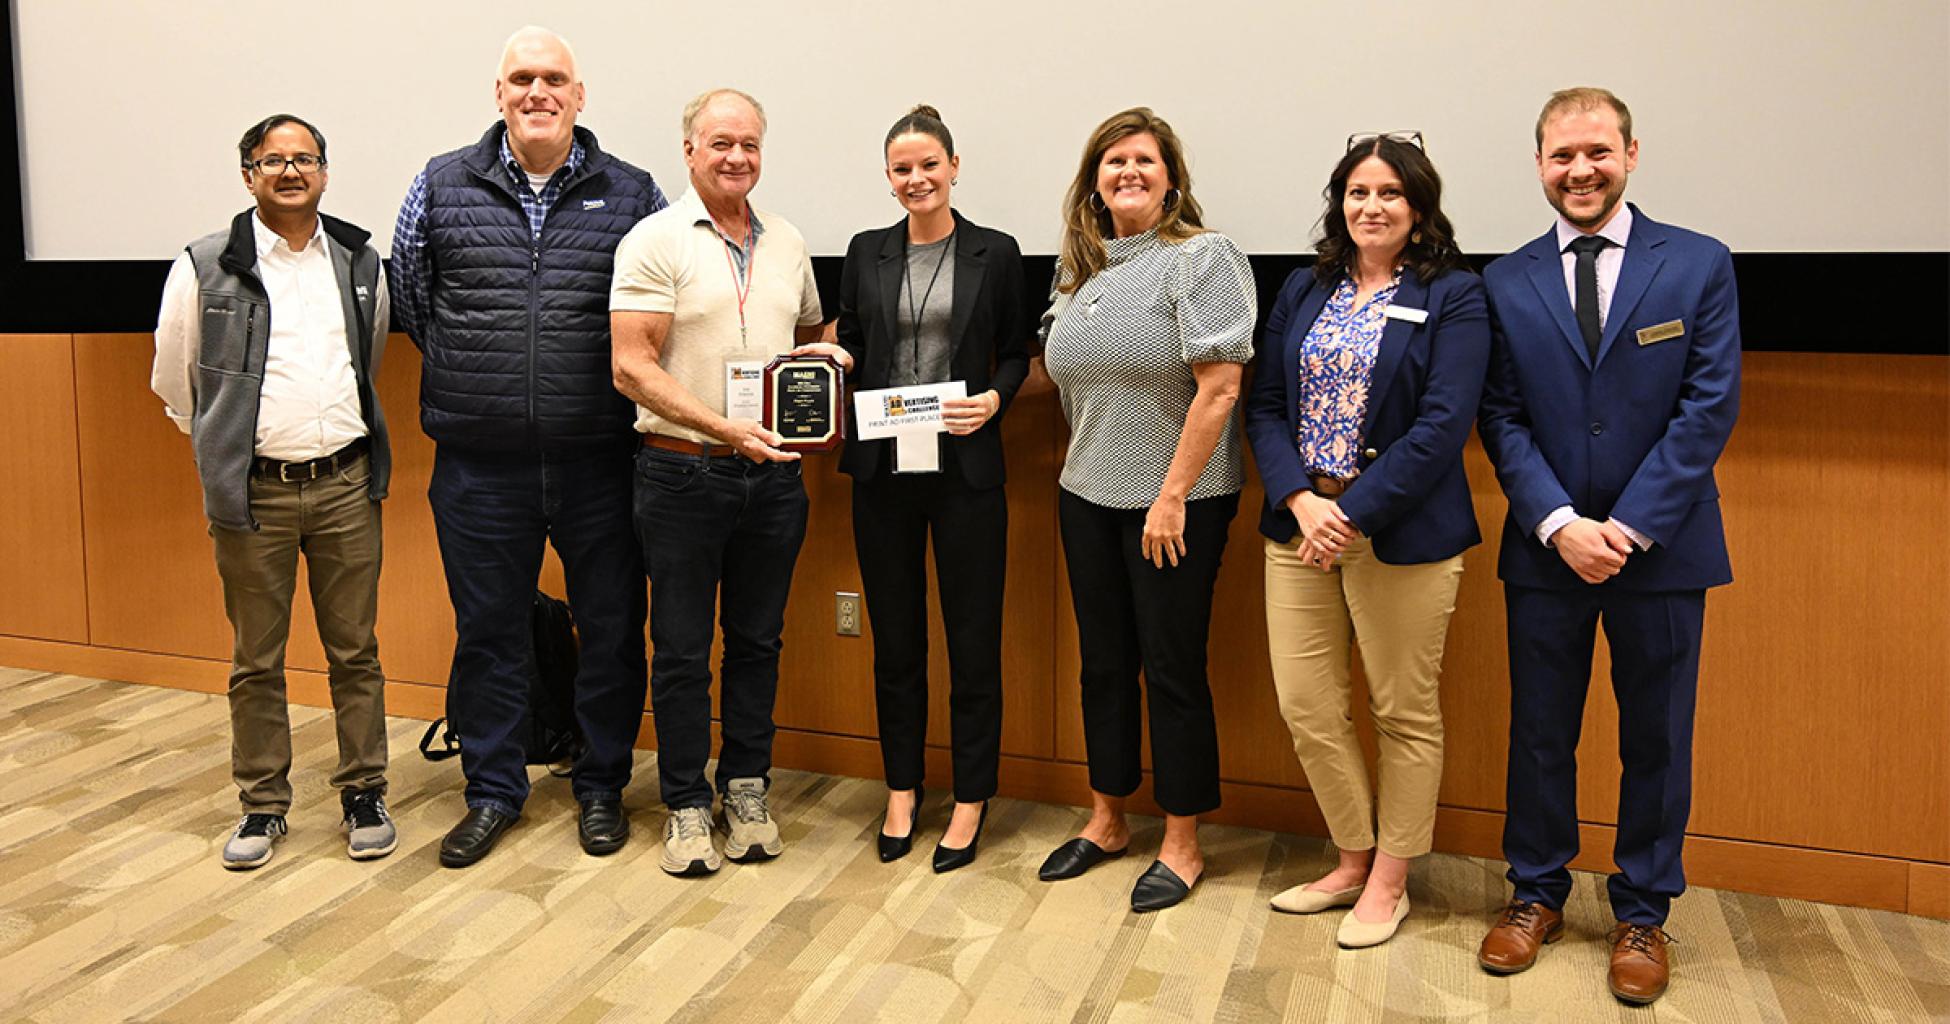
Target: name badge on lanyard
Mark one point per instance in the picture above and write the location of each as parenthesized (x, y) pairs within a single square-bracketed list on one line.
[(744, 389)]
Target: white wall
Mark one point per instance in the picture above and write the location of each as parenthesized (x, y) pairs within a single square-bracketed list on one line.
[(1799, 125)]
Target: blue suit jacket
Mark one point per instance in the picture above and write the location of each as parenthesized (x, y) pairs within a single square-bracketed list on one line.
[(1633, 436), (1411, 497)]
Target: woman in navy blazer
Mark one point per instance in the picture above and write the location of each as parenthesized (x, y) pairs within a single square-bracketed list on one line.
[(934, 298), (1367, 382)]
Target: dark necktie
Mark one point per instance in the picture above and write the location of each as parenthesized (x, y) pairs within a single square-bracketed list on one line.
[(1585, 277)]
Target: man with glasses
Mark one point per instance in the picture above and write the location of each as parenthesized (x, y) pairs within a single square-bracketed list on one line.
[(501, 265), (266, 346), (1613, 386)]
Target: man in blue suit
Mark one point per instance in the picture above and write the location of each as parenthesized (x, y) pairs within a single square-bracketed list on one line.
[(1613, 384)]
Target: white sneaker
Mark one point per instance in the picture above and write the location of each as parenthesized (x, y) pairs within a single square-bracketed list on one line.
[(688, 847), (752, 835), (252, 844)]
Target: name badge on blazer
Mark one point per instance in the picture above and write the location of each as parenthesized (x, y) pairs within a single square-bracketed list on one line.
[(1661, 332), (1412, 315)]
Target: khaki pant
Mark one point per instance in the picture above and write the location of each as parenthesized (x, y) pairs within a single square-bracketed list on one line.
[(1400, 616), (335, 524)]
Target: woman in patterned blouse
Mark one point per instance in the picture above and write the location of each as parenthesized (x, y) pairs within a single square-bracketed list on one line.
[(1153, 321), (1366, 384)]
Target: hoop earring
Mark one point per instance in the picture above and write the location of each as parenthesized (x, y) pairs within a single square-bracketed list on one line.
[(1173, 198), (1095, 202), (1415, 236)]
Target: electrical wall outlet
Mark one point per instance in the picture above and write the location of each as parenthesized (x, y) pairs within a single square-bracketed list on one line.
[(846, 613)]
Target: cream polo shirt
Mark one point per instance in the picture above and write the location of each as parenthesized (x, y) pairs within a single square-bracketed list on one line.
[(676, 261)]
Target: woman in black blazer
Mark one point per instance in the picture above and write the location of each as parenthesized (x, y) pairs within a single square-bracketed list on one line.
[(1367, 383), (930, 299)]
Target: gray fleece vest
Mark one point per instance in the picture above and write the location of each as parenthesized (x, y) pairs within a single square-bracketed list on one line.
[(236, 334)]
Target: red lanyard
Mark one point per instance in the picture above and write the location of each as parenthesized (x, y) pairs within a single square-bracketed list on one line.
[(746, 289)]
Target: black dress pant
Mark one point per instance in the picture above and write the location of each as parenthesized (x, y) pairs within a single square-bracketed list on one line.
[(1132, 616), (893, 516)]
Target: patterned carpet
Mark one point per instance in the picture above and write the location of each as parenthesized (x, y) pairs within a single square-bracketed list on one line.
[(115, 798)]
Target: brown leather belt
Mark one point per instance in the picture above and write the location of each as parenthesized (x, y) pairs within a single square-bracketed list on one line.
[(688, 447), (307, 470), (1327, 486)]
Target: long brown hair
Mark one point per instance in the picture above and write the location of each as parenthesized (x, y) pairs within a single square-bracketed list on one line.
[(1431, 250), (1085, 225)]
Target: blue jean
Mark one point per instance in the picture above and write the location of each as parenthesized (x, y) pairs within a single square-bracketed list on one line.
[(718, 534), (493, 512)]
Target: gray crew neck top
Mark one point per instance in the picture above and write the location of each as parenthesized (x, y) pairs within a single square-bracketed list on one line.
[(927, 306)]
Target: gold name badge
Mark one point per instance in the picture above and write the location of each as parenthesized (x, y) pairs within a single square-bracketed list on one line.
[(1660, 332)]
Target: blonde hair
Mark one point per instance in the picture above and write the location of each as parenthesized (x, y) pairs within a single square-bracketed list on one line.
[(1583, 98), (696, 106), (1085, 225)]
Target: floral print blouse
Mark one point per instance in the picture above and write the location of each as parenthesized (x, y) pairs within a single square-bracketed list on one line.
[(1336, 364)]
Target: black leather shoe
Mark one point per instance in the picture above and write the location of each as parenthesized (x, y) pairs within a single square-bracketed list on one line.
[(893, 848), (947, 858), (476, 834), (1159, 887), (602, 826), (1074, 858)]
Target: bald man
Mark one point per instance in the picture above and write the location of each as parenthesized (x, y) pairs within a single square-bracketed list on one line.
[(501, 269)]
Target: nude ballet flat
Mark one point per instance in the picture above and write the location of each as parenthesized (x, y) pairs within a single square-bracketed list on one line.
[(1302, 900), (1358, 934)]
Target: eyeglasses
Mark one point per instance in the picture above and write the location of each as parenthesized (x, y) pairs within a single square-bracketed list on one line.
[(274, 164), (1405, 138)]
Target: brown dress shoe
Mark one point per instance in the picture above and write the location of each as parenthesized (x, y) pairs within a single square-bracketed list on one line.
[(1524, 928), (1638, 962)]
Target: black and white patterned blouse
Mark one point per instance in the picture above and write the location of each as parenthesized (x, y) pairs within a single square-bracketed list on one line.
[(1121, 354)]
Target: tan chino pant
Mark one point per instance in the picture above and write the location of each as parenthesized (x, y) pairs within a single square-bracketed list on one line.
[(336, 525), (1399, 614)]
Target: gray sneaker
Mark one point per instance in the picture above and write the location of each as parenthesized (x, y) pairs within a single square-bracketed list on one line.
[(369, 829), (688, 847), (751, 832), (251, 845)]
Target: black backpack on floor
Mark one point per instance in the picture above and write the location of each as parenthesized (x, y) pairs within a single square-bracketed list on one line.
[(551, 735)]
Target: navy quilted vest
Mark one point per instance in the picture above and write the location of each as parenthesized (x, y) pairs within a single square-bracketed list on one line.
[(517, 355)]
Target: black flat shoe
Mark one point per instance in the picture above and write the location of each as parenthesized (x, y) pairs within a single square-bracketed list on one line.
[(947, 858), (476, 834), (893, 848), (602, 826), (1159, 887), (1074, 858)]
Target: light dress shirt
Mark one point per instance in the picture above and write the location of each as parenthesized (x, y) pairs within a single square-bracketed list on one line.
[(309, 403), (1617, 231)]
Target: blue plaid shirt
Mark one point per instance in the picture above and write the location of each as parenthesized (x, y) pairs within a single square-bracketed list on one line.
[(412, 276)]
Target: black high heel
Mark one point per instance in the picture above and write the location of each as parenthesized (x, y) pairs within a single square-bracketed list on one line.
[(893, 848), (947, 858)]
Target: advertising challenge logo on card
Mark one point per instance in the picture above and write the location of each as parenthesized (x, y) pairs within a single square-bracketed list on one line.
[(916, 409), (898, 406)]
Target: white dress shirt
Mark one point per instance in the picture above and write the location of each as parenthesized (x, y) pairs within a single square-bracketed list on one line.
[(309, 404), (1617, 231)]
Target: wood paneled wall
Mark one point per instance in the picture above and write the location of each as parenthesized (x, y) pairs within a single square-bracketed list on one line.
[(41, 560), (1824, 703)]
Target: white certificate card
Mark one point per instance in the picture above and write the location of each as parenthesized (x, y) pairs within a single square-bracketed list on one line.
[(912, 417)]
